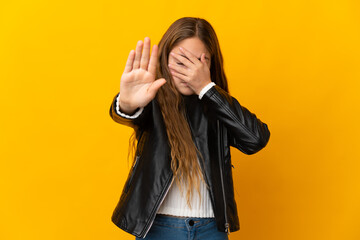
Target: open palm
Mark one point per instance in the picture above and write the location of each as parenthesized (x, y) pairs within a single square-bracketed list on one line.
[(138, 85)]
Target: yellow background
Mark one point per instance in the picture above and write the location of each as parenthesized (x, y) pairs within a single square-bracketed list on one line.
[(295, 64)]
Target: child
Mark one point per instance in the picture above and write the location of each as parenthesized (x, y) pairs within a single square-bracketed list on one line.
[(185, 121)]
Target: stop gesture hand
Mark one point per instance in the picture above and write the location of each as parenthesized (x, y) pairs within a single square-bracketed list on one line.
[(138, 85)]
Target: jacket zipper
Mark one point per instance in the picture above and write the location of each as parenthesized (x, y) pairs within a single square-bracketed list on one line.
[(227, 228), (153, 217)]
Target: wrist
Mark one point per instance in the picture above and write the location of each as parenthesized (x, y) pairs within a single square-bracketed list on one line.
[(202, 87), (205, 89), (126, 108)]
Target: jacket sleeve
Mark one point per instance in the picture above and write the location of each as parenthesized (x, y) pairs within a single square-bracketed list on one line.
[(138, 119), (246, 132)]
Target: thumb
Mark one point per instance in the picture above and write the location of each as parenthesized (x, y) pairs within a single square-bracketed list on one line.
[(203, 59), (156, 85)]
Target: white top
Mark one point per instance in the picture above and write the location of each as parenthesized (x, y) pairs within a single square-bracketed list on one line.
[(175, 203)]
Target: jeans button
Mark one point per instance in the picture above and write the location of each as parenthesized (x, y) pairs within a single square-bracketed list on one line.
[(191, 223)]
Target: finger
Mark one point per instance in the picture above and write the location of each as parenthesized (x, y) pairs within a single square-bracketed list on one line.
[(129, 62), (178, 69), (153, 60), (182, 59), (154, 87), (190, 56), (145, 55), (203, 60), (202, 57), (138, 54), (179, 75)]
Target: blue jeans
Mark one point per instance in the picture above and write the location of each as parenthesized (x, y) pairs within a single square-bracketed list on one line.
[(184, 228)]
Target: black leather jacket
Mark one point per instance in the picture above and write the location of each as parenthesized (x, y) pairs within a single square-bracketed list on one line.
[(217, 121)]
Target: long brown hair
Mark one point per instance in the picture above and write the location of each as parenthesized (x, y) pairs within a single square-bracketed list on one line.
[(183, 150)]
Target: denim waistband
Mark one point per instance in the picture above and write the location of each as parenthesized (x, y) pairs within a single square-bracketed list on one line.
[(180, 221)]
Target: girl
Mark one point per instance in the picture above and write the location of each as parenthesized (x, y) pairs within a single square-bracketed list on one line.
[(184, 122)]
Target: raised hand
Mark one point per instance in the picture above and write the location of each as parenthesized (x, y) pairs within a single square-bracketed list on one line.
[(138, 85)]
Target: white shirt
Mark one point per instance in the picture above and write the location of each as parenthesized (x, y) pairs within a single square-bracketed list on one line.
[(175, 203)]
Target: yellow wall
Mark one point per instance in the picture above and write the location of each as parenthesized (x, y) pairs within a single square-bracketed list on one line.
[(293, 63)]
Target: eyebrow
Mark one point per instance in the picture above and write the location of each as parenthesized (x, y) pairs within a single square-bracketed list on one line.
[(197, 58)]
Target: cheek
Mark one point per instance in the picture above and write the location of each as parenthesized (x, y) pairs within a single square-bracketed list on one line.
[(209, 64)]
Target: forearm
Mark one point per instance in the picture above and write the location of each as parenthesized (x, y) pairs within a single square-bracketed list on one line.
[(248, 132), (135, 120), (122, 111)]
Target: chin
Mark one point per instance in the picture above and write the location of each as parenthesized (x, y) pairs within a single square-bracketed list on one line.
[(186, 91)]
